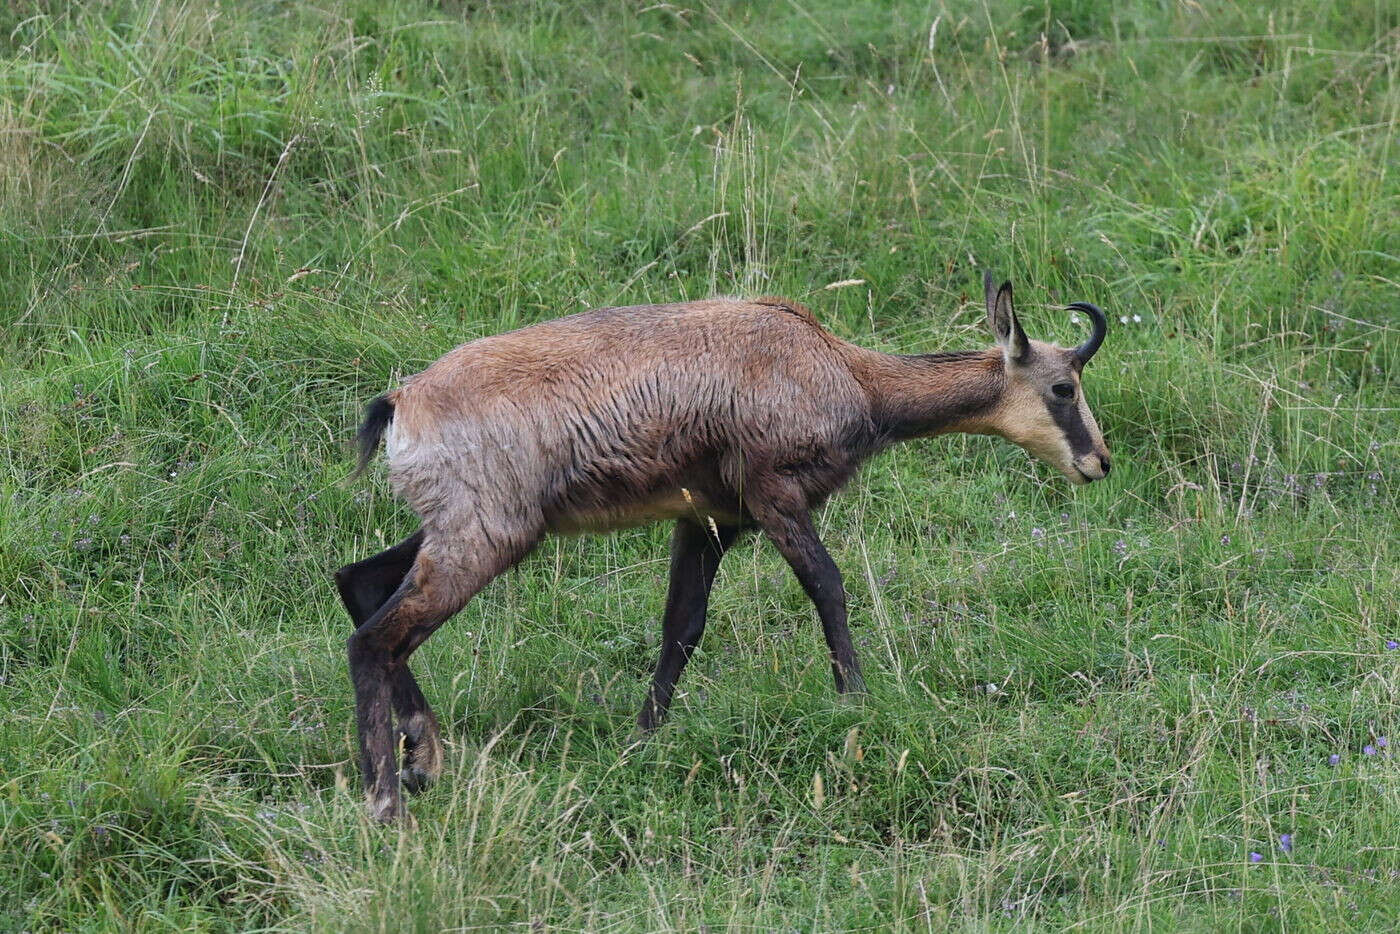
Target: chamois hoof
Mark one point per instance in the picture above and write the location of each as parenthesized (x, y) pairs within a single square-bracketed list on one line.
[(422, 763), (421, 751), (415, 780), (639, 738), (387, 807), (855, 693)]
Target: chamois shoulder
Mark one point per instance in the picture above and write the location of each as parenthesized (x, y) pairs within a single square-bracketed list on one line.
[(790, 307), (799, 312)]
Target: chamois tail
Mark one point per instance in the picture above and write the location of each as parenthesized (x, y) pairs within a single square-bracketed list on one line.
[(378, 414)]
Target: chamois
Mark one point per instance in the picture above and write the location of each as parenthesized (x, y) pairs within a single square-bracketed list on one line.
[(724, 415)]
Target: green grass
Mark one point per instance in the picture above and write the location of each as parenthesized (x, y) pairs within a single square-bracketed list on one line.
[(223, 227)]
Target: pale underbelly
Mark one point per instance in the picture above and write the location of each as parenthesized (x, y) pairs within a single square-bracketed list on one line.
[(672, 504)]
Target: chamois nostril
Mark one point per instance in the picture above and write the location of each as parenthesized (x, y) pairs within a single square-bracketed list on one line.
[(1103, 462)]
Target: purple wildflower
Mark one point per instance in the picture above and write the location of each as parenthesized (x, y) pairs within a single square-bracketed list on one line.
[(1368, 750), (1333, 759), (1382, 742), (1392, 644), (1285, 843), (1256, 857)]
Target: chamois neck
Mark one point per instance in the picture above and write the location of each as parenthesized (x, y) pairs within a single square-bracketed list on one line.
[(929, 394)]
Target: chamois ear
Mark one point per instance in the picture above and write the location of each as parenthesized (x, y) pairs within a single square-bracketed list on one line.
[(1002, 318)]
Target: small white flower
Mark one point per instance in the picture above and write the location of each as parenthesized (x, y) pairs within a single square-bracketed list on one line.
[(990, 688), (1074, 319), (1137, 319), (1122, 319)]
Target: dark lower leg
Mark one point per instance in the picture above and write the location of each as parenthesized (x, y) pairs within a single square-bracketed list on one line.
[(695, 557), (441, 582), (378, 653), (796, 539), (364, 588), (845, 667), (370, 673)]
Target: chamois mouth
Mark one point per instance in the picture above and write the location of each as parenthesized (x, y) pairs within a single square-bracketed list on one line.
[(1083, 479)]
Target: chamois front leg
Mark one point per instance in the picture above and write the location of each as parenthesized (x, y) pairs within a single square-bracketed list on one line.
[(783, 515), (364, 587), (695, 557)]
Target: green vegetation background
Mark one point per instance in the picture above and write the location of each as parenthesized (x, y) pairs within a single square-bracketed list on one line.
[(224, 226)]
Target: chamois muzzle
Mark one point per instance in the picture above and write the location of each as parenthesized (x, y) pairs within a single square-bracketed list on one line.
[(1085, 351)]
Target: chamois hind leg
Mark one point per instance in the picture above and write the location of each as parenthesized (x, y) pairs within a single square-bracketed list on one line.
[(446, 573), (695, 557), (364, 587), (780, 508)]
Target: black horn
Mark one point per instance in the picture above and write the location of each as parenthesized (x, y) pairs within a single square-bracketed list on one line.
[(1086, 350)]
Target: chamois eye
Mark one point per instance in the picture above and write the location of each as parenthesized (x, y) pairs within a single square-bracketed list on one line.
[(1063, 390)]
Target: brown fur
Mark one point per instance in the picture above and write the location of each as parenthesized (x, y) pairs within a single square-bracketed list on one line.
[(626, 415)]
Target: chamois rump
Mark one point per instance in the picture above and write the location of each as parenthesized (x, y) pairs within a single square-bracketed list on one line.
[(724, 415)]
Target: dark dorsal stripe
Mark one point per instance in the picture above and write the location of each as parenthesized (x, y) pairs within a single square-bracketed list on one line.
[(947, 356)]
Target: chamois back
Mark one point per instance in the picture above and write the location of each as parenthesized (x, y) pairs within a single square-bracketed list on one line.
[(613, 416)]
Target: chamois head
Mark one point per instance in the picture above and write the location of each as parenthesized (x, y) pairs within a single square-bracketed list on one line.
[(1042, 407)]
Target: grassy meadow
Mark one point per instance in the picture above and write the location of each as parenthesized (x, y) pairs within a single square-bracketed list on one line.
[(1167, 701)]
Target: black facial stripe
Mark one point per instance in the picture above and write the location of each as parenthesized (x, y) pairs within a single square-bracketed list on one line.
[(1071, 424)]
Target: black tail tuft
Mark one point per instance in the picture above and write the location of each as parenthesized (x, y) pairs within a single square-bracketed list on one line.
[(378, 414)]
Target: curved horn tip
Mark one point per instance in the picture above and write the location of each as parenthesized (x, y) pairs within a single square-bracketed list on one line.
[(1086, 350)]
